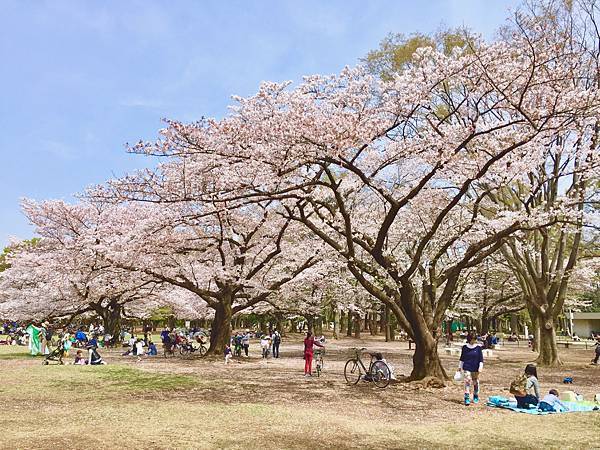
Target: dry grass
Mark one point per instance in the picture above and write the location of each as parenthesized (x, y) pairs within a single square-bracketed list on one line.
[(252, 403)]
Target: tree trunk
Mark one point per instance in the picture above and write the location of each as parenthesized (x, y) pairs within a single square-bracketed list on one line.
[(111, 319), (319, 327), (336, 323), (350, 323), (485, 324), (373, 324), (386, 324), (310, 321), (547, 348), (426, 361), (220, 332), (356, 325)]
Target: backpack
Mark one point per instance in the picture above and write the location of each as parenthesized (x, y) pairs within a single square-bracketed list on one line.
[(518, 386)]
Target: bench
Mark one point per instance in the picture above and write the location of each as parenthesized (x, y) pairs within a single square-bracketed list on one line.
[(452, 351)]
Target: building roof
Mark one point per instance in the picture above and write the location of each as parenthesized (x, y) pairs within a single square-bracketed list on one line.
[(586, 315)]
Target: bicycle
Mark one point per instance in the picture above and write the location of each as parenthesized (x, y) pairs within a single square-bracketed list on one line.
[(187, 348), (319, 361), (378, 371), (169, 350)]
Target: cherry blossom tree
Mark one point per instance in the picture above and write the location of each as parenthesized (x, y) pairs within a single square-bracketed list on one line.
[(396, 177), (63, 274), (490, 291), (231, 259)]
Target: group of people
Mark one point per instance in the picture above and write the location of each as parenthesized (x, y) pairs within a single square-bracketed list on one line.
[(525, 388), (240, 341), (135, 347)]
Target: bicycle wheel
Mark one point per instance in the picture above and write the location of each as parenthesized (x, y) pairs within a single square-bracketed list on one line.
[(352, 371), (380, 374), (202, 350), (184, 350)]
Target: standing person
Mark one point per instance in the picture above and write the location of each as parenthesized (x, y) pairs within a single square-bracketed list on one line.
[(471, 364), (227, 353), (309, 343), (34, 339), (276, 342), (265, 343), (597, 357), (526, 388), (246, 342), (164, 334)]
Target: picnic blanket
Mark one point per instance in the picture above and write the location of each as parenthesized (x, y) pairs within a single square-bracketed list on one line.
[(505, 403)]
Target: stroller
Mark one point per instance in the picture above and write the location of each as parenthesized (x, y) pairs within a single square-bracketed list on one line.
[(58, 353)]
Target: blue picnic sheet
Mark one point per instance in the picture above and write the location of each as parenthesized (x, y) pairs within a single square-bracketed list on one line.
[(506, 403)]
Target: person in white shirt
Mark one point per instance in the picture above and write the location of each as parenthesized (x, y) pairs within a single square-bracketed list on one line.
[(139, 349), (265, 343)]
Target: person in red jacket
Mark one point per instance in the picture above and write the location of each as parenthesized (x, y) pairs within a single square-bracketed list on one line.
[(309, 342)]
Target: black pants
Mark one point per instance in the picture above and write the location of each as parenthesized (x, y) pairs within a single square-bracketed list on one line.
[(246, 349), (524, 402), (275, 350), (597, 357)]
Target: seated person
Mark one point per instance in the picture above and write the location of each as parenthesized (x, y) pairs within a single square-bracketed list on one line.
[(79, 359), (551, 401), (526, 388), (379, 357), (94, 357), (152, 351)]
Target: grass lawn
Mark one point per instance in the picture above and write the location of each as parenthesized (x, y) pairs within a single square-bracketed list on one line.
[(252, 403)]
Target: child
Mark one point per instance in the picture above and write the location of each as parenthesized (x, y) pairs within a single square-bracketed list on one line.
[(227, 353), (471, 363), (550, 401), (152, 351), (79, 359), (139, 349)]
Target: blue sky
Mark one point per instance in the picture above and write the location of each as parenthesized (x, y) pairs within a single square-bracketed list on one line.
[(79, 79)]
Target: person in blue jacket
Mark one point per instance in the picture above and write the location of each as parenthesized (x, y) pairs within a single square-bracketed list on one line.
[(471, 364)]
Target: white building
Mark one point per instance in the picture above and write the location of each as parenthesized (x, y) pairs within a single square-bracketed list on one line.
[(584, 323)]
